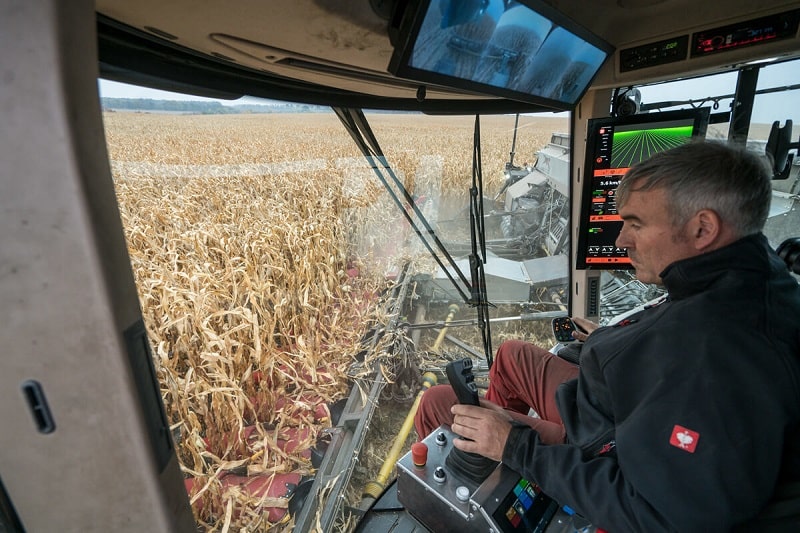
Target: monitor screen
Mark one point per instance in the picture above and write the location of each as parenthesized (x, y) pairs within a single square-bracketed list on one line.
[(525, 508), (612, 146), (520, 50)]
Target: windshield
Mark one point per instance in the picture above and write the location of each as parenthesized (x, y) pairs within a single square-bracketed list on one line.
[(274, 262)]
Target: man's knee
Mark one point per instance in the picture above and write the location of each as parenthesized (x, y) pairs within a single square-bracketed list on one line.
[(512, 345), (509, 354), (439, 398), (434, 409), (517, 349)]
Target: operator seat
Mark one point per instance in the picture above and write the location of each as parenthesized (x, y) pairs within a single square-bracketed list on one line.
[(789, 251), (782, 513)]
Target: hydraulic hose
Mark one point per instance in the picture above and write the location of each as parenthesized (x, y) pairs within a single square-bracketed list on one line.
[(453, 309), (374, 488)]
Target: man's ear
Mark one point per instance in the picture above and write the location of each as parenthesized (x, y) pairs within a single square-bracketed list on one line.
[(707, 229)]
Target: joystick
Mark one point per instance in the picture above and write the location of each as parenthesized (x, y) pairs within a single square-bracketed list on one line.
[(468, 465), (563, 327), (459, 374)]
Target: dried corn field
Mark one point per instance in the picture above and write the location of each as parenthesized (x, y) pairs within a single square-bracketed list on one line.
[(259, 244)]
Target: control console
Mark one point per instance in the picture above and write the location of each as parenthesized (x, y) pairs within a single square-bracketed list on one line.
[(444, 500), (447, 489)]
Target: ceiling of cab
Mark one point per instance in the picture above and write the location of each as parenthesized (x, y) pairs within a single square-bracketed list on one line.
[(336, 52)]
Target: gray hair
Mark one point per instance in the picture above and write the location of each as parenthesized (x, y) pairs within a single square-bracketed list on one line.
[(732, 182)]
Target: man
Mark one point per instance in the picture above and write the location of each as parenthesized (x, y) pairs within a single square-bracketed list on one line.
[(685, 416)]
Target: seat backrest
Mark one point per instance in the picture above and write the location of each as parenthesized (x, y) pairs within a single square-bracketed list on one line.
[(789, 251), (778, 145)]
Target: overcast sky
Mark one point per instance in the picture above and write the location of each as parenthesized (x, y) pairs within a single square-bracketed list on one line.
[(767, 108)]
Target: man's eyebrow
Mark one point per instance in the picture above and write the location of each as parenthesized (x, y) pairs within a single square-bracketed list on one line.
[(630, 217)]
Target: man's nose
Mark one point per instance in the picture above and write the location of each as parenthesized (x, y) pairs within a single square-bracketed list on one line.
[(622, 239)]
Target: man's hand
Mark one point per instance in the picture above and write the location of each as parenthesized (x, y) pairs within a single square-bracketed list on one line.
[(586, 325), (487, 427)]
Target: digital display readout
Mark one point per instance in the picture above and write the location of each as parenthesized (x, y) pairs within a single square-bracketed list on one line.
[(750, 33)]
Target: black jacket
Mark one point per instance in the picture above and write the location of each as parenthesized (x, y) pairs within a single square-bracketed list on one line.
[(679, 417)]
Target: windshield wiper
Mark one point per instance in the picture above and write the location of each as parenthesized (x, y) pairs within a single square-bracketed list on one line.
[(356, 124)]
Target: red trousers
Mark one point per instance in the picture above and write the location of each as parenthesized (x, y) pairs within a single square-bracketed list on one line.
[(523, 377)]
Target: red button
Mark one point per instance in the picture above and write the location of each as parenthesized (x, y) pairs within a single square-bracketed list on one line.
[(419, 453)]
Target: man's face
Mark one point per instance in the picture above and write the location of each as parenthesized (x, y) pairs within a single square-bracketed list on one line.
[(648, 234)]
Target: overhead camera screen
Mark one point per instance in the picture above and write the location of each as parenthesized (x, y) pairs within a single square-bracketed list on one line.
[(491, 45)]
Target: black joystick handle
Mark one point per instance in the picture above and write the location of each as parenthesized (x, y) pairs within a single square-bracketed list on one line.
[(459, 374), (465, 464)]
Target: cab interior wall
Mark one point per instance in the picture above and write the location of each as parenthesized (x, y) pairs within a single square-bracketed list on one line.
[(319, 52)]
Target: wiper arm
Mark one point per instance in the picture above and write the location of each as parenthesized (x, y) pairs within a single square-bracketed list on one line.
[(478, 295), (356, 124)]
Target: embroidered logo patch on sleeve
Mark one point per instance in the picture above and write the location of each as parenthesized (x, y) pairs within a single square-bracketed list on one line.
[(683, 438)]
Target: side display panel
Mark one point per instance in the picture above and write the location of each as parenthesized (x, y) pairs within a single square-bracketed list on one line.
[(613, 146)]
